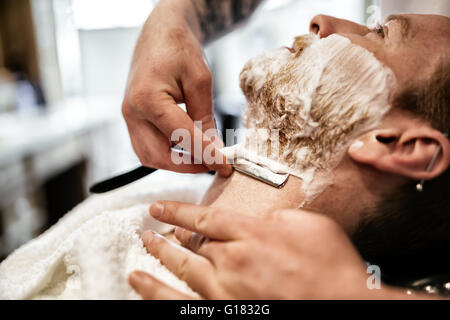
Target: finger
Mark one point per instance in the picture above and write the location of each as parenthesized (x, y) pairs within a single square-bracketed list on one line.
[(150, 288), (153, 149), (197, 271), (173, 122), (213, 223), (189, 239), (184, 238), (197, 89), (198, 243)]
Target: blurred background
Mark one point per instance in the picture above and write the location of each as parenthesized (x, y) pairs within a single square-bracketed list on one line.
[(63, 69)]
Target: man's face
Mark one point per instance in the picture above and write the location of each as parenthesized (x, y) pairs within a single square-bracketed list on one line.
[(410, 44), (318, 96)]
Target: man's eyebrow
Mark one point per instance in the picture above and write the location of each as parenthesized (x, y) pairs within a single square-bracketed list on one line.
[(404, 23)]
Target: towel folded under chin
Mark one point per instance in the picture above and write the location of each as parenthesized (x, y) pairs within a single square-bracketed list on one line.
[(90, 252)]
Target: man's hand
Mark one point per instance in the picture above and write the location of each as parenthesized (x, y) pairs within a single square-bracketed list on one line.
[(168, 68), (290, 254)]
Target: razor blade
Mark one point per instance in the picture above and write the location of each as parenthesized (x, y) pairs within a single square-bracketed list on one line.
[(261, 173)]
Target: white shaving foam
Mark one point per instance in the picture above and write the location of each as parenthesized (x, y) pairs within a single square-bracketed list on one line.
[(319, 100)]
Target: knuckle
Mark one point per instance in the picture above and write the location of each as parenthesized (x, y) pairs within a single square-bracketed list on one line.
[(183, 267), (140, 101), (169, 205), (203, 80), (126, 110), (201, 221), (236, 259), (227, 252), (136, 96), (170, 209), (159, 114)]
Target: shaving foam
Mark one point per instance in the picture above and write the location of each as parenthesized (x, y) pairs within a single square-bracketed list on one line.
[(318, 100)]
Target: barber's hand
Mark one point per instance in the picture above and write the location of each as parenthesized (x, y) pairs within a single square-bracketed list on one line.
[(168, 68), (290, 254)]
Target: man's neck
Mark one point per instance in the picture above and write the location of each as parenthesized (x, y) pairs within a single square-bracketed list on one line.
[(241, 193)]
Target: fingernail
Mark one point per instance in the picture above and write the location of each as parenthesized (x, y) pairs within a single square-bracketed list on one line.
[(147, 237), (157, 209), (136, 278)]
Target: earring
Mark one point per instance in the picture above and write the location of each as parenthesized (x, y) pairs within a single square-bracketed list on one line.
[(419, 186)]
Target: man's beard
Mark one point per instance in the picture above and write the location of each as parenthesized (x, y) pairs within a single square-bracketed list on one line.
[(318, 98)]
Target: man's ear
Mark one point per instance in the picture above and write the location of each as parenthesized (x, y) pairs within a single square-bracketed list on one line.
[(407, 153)]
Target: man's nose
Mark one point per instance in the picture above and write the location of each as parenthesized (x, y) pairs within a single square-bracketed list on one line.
[(326, 25)]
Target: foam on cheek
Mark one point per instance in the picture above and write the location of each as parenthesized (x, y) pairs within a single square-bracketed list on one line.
[(319, 101), (255, 72)]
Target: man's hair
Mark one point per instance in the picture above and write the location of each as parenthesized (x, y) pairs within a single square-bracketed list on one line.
[(408, 232), (429, 100)]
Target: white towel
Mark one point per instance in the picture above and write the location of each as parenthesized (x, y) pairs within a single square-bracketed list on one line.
[(89, 253)]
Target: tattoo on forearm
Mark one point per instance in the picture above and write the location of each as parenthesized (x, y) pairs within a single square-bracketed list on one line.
[(217, 16)]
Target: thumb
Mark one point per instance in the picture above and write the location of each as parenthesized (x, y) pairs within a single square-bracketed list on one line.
[(198, 98), (150, 288)]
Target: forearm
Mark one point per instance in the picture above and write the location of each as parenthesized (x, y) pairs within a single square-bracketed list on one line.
[(209, 19), (216, 17)]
